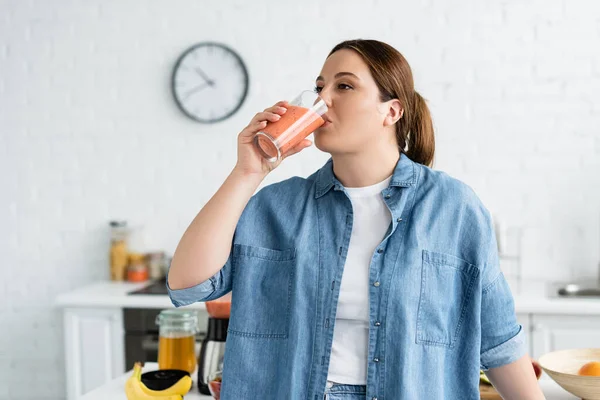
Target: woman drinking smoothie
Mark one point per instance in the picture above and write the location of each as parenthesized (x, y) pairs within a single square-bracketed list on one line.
[(376, 277)]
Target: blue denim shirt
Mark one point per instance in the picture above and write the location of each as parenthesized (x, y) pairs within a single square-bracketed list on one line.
[(440, 307)]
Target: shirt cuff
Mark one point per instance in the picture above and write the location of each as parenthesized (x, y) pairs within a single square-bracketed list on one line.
[(505, 353), (184, 297)]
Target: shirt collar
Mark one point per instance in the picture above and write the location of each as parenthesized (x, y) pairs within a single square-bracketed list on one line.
[(404, 175)]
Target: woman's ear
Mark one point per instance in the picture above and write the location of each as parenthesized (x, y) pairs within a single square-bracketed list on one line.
[(395, 111)]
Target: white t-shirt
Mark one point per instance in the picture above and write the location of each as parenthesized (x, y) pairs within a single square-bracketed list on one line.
[(349, 352)]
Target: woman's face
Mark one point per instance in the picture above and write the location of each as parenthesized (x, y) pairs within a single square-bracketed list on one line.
[(355, 116)]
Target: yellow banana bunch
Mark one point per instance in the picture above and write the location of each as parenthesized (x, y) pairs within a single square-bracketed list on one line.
[(136, 390), (484, 378)]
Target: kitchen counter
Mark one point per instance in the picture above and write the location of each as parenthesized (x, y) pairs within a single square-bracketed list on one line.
[(115, 390), (530, 297), (537, 297), (115, 294)]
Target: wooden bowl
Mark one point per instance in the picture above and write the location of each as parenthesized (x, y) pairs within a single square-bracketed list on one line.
[(562, 366)]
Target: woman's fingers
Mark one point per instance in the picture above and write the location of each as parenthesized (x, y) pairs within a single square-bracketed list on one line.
[(261, 119), (266, 116), (278, 107), (259, 122), (276, 110)]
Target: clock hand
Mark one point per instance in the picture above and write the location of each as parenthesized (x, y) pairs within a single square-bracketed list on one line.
[(196, 89), (204, 76)]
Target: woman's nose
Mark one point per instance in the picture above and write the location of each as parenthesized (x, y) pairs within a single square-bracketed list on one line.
[(324, 94)]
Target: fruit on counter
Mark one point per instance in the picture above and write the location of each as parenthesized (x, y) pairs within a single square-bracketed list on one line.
[(214, 384), (181, 387), (537, 368), (136, 390), (484, 378), (162, 379), (215, 388), (591, 368)]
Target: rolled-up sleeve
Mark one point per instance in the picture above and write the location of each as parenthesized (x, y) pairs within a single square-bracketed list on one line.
[(503, 340), (214, 287)]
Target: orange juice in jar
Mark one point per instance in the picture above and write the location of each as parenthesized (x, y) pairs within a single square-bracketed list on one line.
[(303, 116), (177, 339)]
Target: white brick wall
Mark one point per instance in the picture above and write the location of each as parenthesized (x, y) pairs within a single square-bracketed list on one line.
[(89, 131)]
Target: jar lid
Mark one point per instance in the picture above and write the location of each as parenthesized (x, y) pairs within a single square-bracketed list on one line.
[(176, 317), (117, 224)]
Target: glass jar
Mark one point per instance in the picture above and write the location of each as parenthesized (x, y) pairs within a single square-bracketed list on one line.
[(137, 271), (156, 265), (177, 339), (118, 250)]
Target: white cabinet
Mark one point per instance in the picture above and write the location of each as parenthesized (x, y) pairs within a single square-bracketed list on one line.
[(94, 353), (552, 332)]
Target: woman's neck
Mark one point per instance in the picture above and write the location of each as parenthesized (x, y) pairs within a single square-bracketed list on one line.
[(366, 168)]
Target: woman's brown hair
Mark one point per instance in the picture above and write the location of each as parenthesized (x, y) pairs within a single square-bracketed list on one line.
[(391, 72)]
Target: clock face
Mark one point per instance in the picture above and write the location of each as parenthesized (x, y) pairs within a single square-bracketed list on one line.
[(210, 82)]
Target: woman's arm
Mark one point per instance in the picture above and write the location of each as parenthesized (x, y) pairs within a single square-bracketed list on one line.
[(516, 380), (206, 244)]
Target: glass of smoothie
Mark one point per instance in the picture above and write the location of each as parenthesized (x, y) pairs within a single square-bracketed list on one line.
[(303, 116)]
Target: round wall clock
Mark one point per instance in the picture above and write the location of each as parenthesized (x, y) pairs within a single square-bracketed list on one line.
[(209, 82)]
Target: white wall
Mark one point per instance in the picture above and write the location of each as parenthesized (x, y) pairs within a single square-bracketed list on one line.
[(89, 131)]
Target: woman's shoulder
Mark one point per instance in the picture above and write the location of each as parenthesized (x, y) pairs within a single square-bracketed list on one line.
[(463, 210), (441, 184)]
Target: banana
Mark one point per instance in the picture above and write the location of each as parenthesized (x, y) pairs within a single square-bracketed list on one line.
[(484, 378), (134, 388), (182, 387)]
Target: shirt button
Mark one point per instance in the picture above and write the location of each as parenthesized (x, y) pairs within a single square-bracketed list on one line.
[(387, 196), (380, 251), (399, 220), (376, 284), (376, 359), (377, 323), (374, 398)]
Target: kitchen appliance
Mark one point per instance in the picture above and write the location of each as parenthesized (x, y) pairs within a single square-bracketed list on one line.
[(212, 352), (158, 287)]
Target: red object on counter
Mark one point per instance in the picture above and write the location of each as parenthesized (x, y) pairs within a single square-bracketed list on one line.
[(137, 275), (537, 368), (137, 270), (219, 308), (215, 389)]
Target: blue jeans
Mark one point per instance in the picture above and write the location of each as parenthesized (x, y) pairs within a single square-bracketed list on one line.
[(339, 391)]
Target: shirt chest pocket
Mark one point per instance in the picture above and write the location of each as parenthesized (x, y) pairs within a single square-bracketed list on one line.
[(446, 291), (261, 291)]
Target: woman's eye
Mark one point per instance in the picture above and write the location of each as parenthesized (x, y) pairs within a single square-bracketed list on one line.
[(341, 86)]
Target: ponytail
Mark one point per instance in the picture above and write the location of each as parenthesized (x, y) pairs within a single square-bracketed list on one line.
[(420, 141)]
